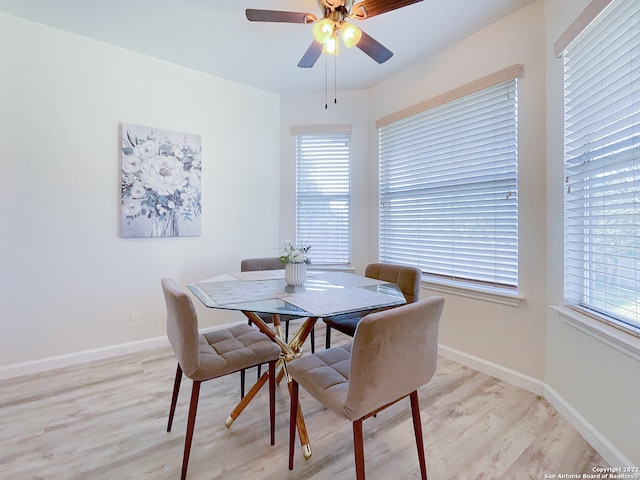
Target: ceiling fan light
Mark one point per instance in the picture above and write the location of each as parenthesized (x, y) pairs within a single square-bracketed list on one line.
[(331, 46), (323, 30), (351, 34)]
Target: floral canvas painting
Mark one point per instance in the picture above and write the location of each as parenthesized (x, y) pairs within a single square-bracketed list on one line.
[(161, 182)]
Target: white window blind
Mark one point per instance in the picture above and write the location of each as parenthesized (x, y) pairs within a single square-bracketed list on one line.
[(602, 167), (448, 189), (323, 196)]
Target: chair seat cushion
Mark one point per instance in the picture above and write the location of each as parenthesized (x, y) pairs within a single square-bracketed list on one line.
[(232, 349), (268, 318), (345, 323), (325, 375)]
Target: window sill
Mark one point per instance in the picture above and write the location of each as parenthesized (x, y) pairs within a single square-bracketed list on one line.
[(620, 340), (332, 268), (477, 292)]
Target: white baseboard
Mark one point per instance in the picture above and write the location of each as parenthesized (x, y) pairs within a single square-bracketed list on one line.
[(78, 358), (518, 379), (598, 441), (61, 361)]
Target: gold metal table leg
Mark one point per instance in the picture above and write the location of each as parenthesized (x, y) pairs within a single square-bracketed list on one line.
[(306, 451), (289, 351), (300, 424), (246, 399), (296, 345)]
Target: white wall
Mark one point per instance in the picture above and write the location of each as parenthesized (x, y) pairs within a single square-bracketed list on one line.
[(69, 282), (598, 376), (512, 337), (308, 110)]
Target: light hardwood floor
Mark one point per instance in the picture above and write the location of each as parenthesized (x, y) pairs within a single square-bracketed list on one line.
[(107, 420)]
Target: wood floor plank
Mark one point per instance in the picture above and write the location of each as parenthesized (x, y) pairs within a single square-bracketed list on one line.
[(107, 420)]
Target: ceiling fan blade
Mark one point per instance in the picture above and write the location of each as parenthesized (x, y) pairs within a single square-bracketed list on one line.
[(279, 16), (312, 54), (371, 8), (374, 49)]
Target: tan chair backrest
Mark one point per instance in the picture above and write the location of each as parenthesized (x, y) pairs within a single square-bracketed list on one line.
[(182, 326), (265, 263), (407, 278), (394, 352)]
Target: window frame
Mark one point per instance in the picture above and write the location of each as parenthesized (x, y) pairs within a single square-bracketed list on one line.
[(507, 296), (580, 290), (339, 252)]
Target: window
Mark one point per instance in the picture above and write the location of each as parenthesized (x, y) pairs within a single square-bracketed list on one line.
[(448, 187), (323, 199), (602, 167)]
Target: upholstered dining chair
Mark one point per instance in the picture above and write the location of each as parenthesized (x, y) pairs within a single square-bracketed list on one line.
[(203, 357), (408, 280), (393, 353)]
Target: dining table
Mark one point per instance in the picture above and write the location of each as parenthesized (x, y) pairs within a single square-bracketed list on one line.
[(323, 294)]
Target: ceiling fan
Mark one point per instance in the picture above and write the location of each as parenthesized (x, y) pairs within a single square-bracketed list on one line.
[(335, 14)]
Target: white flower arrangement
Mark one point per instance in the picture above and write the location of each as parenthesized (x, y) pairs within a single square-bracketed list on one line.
[(292, 253)]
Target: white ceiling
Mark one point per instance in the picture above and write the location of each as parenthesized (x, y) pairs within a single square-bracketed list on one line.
[(214, 36)]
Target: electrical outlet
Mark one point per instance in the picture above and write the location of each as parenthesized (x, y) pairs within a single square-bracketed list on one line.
[(136, 317)]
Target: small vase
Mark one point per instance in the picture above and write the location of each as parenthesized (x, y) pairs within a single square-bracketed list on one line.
[(295, 273)]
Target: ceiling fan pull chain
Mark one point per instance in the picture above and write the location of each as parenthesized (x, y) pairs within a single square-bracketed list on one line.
[(335, 79), (326, 81)]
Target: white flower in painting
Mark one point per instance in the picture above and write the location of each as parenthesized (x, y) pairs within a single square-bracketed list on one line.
[(138, 190), (195, 178), (163, 174), (130, 163), (131, 207), (147, 149)]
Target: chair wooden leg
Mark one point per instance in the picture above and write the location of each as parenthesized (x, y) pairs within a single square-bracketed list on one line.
[(327, 342), (174, 397), (286, 331), (193, 408), (272, 401), (293, 420), (242, 377), (358, 449), (313, 341), (417, 428)]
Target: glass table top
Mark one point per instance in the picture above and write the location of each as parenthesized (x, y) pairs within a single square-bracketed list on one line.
[(324, 293)]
